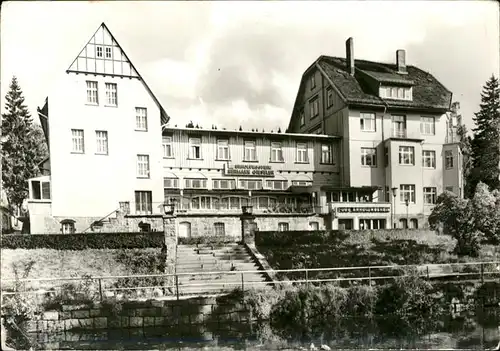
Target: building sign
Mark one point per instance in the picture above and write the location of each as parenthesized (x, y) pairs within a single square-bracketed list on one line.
[(363, 209), (249, 171)]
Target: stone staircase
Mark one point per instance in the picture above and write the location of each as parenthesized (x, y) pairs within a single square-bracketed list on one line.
[(207, 261)]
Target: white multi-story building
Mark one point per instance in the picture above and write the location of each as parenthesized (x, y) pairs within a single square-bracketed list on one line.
[(357, 131)]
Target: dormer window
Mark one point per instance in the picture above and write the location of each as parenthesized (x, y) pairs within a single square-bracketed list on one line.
[(397, 93)]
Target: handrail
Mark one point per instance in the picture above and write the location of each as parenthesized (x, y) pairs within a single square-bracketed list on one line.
[(332, 269), (102, 219)]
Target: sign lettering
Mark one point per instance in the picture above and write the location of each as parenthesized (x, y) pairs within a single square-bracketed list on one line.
[(249, 171), (363, 209)]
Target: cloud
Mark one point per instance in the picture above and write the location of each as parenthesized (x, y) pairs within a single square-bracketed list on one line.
[(232, 63)]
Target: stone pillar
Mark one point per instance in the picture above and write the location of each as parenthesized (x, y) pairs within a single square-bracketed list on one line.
[(170, 249), (248, 227)]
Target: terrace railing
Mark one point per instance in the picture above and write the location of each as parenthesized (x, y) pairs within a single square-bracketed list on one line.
[(196, 283)]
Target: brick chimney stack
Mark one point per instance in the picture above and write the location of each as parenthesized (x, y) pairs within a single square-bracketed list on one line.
[(401, 61), (349, 52)]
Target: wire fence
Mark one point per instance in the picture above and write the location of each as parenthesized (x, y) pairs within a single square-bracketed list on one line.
[(175, 286)]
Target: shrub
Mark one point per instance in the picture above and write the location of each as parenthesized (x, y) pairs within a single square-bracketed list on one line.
[(83, 241), (410, 300)]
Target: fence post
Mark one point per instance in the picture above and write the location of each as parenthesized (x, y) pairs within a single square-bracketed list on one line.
[(370, 276), (177, 286), (428, 277), (242, 283), (482, 273), (307, 278), (100, 289)]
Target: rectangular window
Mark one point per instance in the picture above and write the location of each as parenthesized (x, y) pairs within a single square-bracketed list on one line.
[(399, 126), (427, 126), (314, 107), (171, 183), (399, 93), (222, 149), (448, 158), (92, 97), (250, 151), (101, 138), (276, 152), (406, 155), (407, 191), (326, 154), (142, 166), (141, 118), (302, 118), (386, 156), (78, 143), (301, 183), (143, 202), (108, 52), (301, 153), (111, 94), (195, 148), (251, 184), (430, 194), (367, 122), (449, 188), (219, 229), (277, 184), (283, 227), (98, 51), (369, 157), (195, 183), (223, 184), (167, 146), (329, 97), (313, 81), (40, 190), (429, 158)]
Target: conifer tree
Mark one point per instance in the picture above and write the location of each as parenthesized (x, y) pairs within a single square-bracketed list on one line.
[(20, 147), (486, 142)]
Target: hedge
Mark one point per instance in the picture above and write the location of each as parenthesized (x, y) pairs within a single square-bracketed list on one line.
[(83, 241), (308, 237)]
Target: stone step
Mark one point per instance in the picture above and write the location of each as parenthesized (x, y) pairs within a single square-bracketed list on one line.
[(211, 252), (193, 270), (187, 280), (191, 262)]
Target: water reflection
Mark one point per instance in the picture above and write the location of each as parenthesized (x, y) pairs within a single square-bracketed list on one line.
[(469, 330)]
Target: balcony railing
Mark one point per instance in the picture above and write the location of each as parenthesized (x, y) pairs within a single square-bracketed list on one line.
[(399, 133)]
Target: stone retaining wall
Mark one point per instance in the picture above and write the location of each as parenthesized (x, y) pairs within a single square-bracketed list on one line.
[(132, 314)]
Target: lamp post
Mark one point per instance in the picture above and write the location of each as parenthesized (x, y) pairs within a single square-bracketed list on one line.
[(394, 189), (407, 203), (168, 208)]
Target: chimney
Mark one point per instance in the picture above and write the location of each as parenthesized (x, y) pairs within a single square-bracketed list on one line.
[(401, 61), (349, 52)]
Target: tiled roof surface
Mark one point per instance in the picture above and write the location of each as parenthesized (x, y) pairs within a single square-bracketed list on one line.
[(428, 92)]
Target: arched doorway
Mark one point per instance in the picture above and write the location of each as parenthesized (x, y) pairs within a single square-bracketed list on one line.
[(414, 223), (184, 230), (403, 223)]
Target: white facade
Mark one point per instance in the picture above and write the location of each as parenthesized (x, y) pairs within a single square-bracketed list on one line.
[(95, 137)]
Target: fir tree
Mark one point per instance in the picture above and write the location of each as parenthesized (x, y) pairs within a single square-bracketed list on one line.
[(485, 145), (466, 149), (21, 152)]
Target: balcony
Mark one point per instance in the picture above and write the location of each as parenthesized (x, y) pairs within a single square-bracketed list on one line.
[(399, 133)]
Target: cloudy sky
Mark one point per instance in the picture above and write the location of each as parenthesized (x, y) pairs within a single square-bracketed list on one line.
[(240, 63)]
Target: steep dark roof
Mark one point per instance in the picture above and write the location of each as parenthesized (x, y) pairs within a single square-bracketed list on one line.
[(428, 92)]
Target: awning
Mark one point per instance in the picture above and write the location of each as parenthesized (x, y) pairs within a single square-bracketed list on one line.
[(368, 188), (302, 177), (167, 174)]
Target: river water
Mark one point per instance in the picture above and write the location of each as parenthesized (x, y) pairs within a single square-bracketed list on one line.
[(462, 332)]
